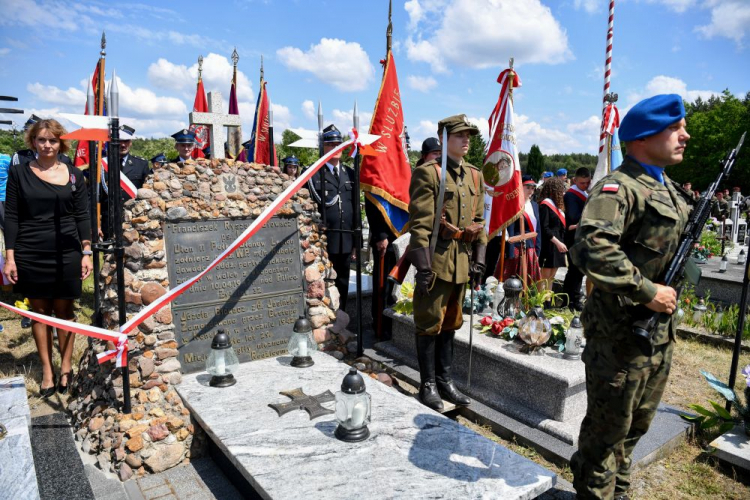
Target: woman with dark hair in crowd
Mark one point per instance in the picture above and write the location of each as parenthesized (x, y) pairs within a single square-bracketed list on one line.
[(48, 241), (552, 225)]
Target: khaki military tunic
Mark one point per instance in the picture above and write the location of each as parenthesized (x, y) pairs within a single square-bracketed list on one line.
[(464, 204), (629, 231), (441, 310)]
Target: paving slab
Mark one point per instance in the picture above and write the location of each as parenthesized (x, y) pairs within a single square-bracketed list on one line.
[(17, 471), (412, 452), (733, 447)]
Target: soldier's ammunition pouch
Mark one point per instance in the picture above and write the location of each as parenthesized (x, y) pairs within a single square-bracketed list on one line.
[(468, 235)]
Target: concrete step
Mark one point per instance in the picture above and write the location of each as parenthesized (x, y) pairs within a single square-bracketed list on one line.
[(17, 470)]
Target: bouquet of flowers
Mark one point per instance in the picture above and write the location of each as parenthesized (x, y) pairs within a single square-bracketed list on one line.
[(701, 252)]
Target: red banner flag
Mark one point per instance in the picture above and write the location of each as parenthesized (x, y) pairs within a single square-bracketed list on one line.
[(260, 145), (385, 177), (82, 150), (202, 140), (504, 201)]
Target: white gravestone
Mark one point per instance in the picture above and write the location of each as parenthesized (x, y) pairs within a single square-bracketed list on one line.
[(215, 120)]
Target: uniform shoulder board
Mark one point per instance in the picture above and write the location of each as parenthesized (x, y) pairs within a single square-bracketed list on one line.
[(138, 158), (611, 187)]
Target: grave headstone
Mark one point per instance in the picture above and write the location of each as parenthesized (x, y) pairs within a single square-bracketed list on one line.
[(216, 121)]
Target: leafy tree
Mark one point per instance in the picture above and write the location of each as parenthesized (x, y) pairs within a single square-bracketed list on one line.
[(477, 148), (715, 125), (535, 162)]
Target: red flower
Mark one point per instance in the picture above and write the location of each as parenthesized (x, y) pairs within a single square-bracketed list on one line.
[(507, 322), (497, 327), (486, 321)]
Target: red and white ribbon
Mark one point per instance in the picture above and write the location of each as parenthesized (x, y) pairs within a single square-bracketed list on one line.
[(253, 228), (119, 339), (125, 183), (355, 139), (611, 120)]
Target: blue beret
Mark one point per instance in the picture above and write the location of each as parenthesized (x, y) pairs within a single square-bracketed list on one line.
[(184, 136), (651, 116), (546, 175), (562, 171)]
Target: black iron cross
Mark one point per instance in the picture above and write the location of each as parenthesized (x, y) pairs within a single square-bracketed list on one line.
[(301, 401)]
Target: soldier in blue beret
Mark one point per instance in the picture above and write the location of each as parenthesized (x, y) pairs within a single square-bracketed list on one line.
[(628, 233), (339, 206), (184, 142)]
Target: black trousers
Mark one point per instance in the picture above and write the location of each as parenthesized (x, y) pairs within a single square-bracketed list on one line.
[(341, 264), (572, 283), (381, 296)]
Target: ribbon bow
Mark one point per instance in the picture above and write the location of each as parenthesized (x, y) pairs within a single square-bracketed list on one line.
[(120, 352), (355, 143), (611, 121)]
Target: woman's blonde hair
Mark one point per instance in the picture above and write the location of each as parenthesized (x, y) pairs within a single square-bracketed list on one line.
[(49, 124)]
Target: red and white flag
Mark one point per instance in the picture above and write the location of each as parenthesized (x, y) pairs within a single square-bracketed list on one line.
[(501, 170)]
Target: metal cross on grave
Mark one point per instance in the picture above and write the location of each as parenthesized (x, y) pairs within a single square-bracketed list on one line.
[(301, 401), (216, 121)]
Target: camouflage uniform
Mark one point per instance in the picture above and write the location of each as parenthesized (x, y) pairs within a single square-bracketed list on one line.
[(629, 231)]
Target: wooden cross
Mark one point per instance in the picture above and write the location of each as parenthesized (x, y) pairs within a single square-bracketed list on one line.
[(216, 121)]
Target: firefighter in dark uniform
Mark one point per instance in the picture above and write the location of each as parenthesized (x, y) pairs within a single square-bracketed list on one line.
[(26, 155), (340, 209), (133, 167)]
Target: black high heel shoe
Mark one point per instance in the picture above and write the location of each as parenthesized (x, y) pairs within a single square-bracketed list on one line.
[(63, 389), (44, 393)]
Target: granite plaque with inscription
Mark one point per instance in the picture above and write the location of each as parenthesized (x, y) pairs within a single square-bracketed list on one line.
[(255, 294)]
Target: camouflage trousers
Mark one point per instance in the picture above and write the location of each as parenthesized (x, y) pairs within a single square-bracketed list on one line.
[(441, 309), (624, 389)]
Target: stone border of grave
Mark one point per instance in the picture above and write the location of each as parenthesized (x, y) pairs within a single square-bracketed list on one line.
[(160, 432), (710, 338)]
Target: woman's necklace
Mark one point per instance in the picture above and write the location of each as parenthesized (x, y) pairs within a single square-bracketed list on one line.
[(45, 168)]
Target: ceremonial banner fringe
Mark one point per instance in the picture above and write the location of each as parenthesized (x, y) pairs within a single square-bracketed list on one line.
[(385, 177), (504, 201)]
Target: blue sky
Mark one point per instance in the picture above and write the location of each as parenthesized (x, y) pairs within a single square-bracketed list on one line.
[(448, 55)]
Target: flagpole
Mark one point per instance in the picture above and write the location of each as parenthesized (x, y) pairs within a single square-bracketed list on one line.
[(102, 59), (358, 235), (271, 156), (93, 207)]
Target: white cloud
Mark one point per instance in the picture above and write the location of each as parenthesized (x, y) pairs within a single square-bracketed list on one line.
[(345, 65), (415, 11), (343, 120), (29, 13), (589, 6), (668, 85), (675, 5), (53, 95), (4, 51), (308, 109), (485, 33), (421, 83), (143, 102), (217, 75), (729, 19)]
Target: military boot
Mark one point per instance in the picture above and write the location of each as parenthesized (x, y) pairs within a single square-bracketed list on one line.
[(444, 361), (428, 393)]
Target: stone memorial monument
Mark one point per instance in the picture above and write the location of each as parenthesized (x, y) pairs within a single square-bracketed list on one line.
[(183, 218)]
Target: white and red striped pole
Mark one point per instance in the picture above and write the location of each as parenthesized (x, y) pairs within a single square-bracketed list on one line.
[(607, 70)]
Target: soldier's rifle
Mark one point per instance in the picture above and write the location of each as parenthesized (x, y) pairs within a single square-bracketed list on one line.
[(682, 266)]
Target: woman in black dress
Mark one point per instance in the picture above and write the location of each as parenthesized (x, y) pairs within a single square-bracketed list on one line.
[(48, 241), (552, 224)]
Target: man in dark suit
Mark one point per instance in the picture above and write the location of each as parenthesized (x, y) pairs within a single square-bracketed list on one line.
[(574, 199), (339, 205), (133, 167), (26, 155)]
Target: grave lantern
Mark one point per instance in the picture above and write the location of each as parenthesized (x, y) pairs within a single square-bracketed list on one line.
[(742, 257), (699, 310), (222, 361), (511, 304), (353, 407), (302, 343), (723, 264), (574, 339), (534, 329)]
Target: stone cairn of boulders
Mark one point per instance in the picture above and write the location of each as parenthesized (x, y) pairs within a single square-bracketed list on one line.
[(159, 433)]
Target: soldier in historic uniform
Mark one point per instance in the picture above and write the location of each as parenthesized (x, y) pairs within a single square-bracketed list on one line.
[(457, 258), (629, 231), (135, 168), (26, 155), (340, 211), (184, 143)]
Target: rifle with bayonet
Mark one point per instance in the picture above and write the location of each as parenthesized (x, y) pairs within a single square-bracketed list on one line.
[(681, 265)]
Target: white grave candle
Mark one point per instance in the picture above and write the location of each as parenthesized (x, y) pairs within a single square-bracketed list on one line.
[(221, 363), (302, 347), (359, 412)]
